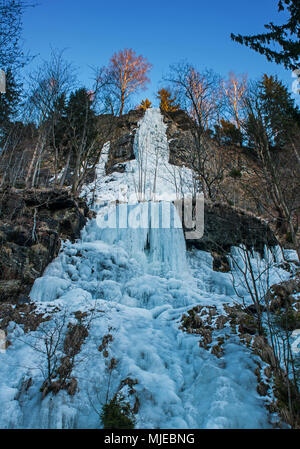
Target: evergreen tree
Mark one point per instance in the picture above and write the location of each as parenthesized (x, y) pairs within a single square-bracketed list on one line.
[(9, 101), (11, 13), (12, 57), (287, 36), (273, 120), (280, 114), (145, 104), (58, 118), (81, 132), (117, 414), (228, 133), (167, 103), (80, 115)]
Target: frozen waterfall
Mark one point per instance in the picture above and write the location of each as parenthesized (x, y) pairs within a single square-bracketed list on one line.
[(131, 277), (136, 210)]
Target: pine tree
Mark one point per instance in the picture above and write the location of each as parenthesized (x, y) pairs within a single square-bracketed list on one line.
[(9, 101), (228, 133), (287, 36), (167, 103), (280, 114), (59, 138), (74, 122), (145, 104), (81, 122), (80, 113), (272, 127)]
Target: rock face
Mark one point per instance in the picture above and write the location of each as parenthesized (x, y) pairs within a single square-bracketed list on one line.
[(225, 227), (124, 128), (283, 295), (31, 226), (179, 135), (121, 146)]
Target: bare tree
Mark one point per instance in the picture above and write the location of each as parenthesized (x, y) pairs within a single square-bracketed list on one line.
[(235, 88), (200, 96), (198, 93), (15, 152), (48, 341), (252, 274), (59, 342), (263, 132), (11, 12), (126, 74), (51, 80), (86, 134)]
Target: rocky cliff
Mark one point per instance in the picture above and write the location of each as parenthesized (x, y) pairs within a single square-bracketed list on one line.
[(122, 142), (225, 226), (32, 224)]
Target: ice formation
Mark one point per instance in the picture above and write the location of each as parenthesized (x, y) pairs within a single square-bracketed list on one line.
[(131, 273)]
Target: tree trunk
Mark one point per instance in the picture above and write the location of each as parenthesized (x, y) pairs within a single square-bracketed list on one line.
[(279, 196), (76, 176), (122, 104), (63, 178), (28, 176)]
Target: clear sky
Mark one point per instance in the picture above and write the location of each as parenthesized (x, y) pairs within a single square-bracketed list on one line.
[(164, 31)]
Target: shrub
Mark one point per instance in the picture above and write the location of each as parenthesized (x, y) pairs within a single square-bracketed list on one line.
[(235, 173), (228, 133), (288, 320), (117, 415)]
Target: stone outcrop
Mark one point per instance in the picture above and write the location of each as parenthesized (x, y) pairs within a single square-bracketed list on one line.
[(284, 295), (122, 143), (32, 224), (225, 226), (123, 130), (179, 135)]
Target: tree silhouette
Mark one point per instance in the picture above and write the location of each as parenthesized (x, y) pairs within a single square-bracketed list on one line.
[(287, 36), (11, 15)]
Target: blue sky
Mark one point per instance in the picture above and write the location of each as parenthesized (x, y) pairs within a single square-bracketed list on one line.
[(164, 31)]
